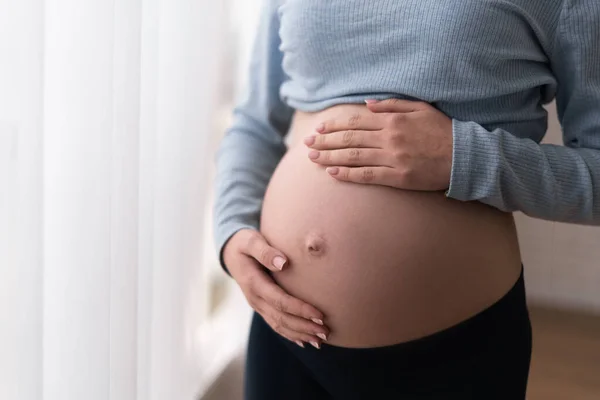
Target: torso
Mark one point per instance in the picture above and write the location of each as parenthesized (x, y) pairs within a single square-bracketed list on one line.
[(385, 265)]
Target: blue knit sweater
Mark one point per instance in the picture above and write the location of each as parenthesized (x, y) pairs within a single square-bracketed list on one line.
[(490, 65)]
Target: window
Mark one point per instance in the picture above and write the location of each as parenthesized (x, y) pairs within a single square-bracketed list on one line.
[(227, 313)]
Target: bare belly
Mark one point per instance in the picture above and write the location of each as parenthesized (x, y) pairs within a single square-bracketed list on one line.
[(384, 265)]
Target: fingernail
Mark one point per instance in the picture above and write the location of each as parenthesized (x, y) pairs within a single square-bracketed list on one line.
[(316, 345), (299, 343), (332, 170), (320, 128), (371, 101), (313, 155), (309, 140), (278, 262), (322, 336), (317, 321)]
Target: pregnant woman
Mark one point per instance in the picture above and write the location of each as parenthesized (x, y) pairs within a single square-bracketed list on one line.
[(365, 189)]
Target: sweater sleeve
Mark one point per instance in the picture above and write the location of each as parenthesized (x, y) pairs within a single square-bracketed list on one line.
[(253, 145), (545, 181)]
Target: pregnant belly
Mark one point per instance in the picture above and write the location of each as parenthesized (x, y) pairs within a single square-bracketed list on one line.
[(384, 265)]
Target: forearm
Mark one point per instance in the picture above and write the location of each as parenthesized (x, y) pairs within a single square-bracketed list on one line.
[(245, 162), (544, 181)]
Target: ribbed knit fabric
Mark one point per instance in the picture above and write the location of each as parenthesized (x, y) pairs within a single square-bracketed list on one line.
[(489, 65)]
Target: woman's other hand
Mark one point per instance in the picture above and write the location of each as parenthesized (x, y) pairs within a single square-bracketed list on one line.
[(401, 143), (246, 255)]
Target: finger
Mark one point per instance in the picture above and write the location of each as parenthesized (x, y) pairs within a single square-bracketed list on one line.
[(352, 157), (279, 327), (370, 175), (345, 139), (356, 121), (395, 105), (277, 298), (293, 322), (296, 327), (258, 248), (301, 337)]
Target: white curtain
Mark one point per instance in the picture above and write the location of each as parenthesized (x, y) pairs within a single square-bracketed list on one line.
[(106, 111)]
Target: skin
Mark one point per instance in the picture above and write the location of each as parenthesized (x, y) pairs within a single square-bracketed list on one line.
[(384, 265), (402, 144)]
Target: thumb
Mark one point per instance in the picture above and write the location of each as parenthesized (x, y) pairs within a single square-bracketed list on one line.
[(393, 106), (258, 248)]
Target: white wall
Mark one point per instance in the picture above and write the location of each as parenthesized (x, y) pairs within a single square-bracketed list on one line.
[(562, 261)]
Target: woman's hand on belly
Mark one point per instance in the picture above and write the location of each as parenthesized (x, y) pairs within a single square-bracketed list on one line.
[(292, 318), (397, 143)]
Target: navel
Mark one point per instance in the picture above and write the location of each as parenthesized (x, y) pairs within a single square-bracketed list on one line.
[(315, 245)]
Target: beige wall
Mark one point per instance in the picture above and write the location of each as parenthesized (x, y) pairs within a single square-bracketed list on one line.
[(562, 261)]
